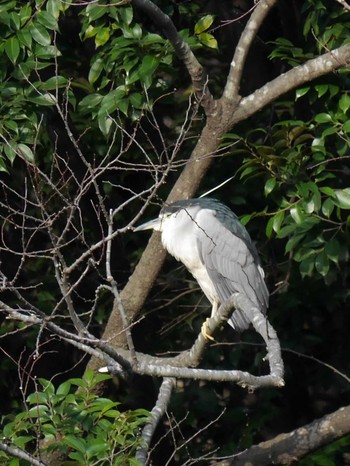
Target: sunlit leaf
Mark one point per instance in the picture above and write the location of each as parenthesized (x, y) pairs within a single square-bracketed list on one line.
[(95, 70), (322, 263), (302, 91), (26, 152), (208, 40), (344, 103), (342, 198), (323, 118), (203, 24), (327, 207)]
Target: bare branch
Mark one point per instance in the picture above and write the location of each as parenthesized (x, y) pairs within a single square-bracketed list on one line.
[(156, 415), (290, 80), (237, 64), (343, 3), (21, 454)]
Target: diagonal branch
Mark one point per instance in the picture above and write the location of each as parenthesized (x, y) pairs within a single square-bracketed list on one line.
[(182, 49), (21, 454), (310, 70), (237, 64), (295, 445), (156, 414)]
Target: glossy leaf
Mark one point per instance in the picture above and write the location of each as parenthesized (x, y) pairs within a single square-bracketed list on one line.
[(95, 70), (344, 103), (323, 118), (342, 198), (322, 263), (26, 152), (40, 34), (327, 207), (208, 40), (12, 49), (203, 24)]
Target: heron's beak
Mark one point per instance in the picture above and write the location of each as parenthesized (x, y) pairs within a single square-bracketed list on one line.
[(151, 225)]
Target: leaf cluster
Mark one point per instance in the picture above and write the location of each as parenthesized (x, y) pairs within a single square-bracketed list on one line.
[(73, 421)]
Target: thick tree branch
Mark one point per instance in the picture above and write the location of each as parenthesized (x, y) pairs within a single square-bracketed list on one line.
[(237, 64), (295, 445), (286, 82), (161, 367)]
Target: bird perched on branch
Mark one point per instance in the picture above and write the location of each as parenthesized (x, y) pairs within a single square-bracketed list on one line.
[(207, 237)]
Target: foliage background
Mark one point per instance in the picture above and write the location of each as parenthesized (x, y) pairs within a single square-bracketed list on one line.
[(113, 75)]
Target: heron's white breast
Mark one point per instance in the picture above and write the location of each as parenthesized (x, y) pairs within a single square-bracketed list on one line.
[(183, 245)]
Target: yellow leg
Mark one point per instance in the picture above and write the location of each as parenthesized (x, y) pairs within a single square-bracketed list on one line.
[(204, 330)]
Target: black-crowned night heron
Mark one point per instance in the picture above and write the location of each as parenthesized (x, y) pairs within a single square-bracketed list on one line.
[(207, 237)]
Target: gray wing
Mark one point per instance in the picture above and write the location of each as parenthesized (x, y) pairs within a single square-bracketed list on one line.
[(231, 260)]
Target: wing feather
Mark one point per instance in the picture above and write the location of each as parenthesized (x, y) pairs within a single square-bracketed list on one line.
[(231, 260)]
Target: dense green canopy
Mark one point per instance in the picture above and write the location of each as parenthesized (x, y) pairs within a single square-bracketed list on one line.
[(107, 110)]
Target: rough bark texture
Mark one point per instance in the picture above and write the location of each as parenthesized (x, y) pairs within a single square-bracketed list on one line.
[(293, 446)]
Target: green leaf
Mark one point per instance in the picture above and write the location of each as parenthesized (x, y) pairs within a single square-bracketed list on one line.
[(38, 411), (47, 20), (270, 186), (328, 191), (40, 34), (148, 66), (12, 49), (10, 150), (91, 101), (54, 83), (45, 99), (15, 20), (208, 40), (292, 242), (53, 7), (322, 263), (327, 207), (344, 103), (333, 250), (302, 91), (102, 36), (342, 198), (64, 388), (94, 11), (95, 70), (77, 443), (110, 102), (25, 37), (323, 118), (346, 126), (286, 230), (203, 24), (277, 221), (296, 214), (307, 266), (105, 124), (136, 100), (26, 152), (321, 89), (126, 15)]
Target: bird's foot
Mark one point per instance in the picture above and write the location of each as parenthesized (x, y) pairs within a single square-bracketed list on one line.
[(204, 331)]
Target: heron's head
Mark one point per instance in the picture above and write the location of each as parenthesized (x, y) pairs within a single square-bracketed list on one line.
[(175, 215)]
